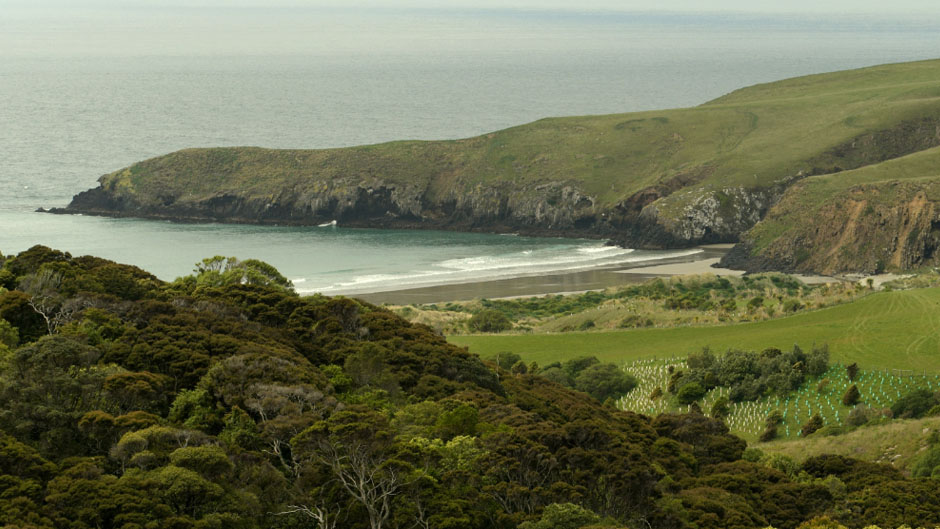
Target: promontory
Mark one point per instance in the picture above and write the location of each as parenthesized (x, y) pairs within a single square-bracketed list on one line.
[(836, 172)]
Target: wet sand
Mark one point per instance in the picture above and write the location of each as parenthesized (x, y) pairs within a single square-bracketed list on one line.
[(566, 282)]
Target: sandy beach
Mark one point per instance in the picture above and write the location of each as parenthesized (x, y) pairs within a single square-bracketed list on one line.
[(704, 262), (565, 282)]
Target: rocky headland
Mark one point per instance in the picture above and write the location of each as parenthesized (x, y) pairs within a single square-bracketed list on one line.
[(827, 173)]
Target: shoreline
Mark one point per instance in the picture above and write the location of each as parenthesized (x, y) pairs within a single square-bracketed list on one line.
[(598, 278)]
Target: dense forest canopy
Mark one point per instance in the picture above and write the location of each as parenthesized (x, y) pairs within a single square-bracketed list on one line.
[(224, 399)]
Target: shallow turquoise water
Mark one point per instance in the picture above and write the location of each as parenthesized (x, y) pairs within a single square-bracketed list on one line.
[(329, 260)]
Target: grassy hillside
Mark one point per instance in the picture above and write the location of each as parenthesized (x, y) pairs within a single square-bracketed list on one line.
[(768, 130), (893, 330), (701, 173), (898, 442)]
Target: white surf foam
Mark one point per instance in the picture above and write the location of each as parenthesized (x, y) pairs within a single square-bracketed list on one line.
[(492, 267)]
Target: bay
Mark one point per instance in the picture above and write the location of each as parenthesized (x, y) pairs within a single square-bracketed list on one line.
[(69, 116)]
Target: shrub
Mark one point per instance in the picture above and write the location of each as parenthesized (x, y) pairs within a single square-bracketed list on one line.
[(814, 423), (925, 465), (752, 455), (774, 419), (914, 405), (586, 324), (720, 408), (851, 396), (755, 303), (563, 516), (769, 434), (792, 305), (489, 320), (852, 371), (635, 321), (751, 375), (830, 430), (860, 415), (690, 393)]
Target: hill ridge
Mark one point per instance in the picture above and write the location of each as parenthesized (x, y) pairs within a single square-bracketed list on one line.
[(652, 179)]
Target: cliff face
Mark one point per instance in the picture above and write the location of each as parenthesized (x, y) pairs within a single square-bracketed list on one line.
[(546, 207), (870, 228)]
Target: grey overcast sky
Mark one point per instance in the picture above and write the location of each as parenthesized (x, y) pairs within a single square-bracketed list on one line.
[(898, 7), (232, 27)]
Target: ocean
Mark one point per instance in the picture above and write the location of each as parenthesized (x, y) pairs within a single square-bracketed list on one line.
[(75, 107)]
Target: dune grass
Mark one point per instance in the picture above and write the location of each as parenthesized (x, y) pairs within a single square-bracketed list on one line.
[(885, 330)]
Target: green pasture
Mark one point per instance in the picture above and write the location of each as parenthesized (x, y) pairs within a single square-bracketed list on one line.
[(753, 137), (886, 330)]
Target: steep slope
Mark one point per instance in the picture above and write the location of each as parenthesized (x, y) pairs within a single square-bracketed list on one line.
[(881, 217), (650, 179)]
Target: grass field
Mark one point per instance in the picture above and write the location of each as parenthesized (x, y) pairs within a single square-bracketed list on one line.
[(886, 330)]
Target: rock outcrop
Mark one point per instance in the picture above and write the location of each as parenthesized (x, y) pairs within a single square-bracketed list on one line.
[(870, 228)]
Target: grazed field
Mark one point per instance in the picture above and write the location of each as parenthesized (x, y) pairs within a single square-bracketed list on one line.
[(886, 330)]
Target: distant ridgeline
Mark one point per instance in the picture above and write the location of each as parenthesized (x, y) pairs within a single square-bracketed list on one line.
[(840, 167), (224, 399)]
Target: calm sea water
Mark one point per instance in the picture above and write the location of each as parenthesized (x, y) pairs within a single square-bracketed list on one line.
[(69, 115)]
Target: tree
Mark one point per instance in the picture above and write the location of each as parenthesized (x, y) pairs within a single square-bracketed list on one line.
[(9, 336), (852, 371), (364, 473), (505, 360), (47, 388), (15, 308), (44, 297), (563, 516), (226, 271), (814, 423), (576, 365), (603, 381), (324, 517), (851, 396)]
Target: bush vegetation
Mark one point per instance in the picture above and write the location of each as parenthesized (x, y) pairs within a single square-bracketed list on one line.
[(748, 375), (204, 403)]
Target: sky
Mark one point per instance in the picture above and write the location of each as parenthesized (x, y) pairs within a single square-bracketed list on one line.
[(304, 27), (896, 7)]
